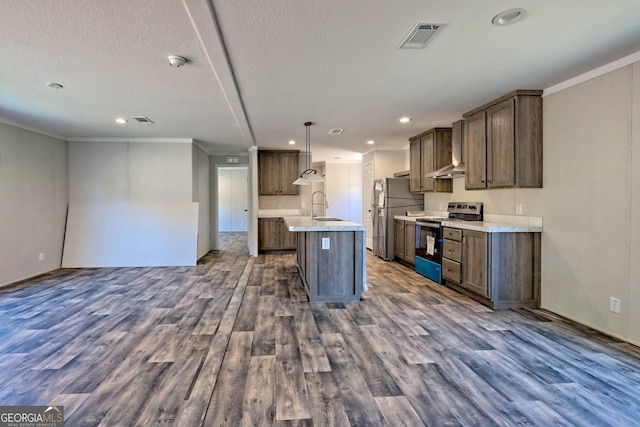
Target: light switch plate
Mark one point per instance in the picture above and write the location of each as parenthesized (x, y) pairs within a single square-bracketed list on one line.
[(326, 243)]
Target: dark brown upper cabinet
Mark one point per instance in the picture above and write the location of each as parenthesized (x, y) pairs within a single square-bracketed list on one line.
[(503, 142)]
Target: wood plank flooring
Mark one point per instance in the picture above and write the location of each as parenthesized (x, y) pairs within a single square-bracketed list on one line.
[(234, 342)]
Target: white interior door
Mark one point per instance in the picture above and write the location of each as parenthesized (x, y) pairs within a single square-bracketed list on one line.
[(367, 189), (232, 199)]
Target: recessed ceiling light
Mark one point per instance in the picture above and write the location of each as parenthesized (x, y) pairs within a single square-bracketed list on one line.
[(121, 121), (509, 16), (292, 142), (371, 142), (177, 61), (405, 120), (55, 85)]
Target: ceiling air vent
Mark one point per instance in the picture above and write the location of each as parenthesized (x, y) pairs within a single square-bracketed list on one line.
[(419, 35), (336, 131), (142, 119)]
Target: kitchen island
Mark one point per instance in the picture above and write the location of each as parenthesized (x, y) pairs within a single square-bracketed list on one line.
[(331, 257)]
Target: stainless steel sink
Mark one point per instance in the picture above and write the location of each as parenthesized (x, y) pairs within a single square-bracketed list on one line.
[(327, 218)]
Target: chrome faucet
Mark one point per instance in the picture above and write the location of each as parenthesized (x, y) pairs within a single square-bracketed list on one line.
[(326, 204)]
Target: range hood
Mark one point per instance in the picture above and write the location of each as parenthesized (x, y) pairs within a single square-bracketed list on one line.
[(456, 168)]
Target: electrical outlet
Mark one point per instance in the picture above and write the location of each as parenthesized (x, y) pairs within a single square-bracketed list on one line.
[(326, 243), (441, 206), (518, 208), (614, 305), (41, 257)]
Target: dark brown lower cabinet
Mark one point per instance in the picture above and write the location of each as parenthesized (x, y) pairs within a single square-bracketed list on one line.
[(404, 247), (501, 270), (474, 262), (273, 235)]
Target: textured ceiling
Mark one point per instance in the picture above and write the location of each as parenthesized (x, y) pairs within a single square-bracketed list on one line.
[(259, 69)]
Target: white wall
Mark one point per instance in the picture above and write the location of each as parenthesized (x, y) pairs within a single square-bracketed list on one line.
[(343, 185), (252, 238), (587, 198), (202, 195), (110, 172), (33, 203), (137, 183), (590, 202), (633, 296)]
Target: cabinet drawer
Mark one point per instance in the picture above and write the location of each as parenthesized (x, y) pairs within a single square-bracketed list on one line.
[(452, 234), (452, 250), (451, 270)]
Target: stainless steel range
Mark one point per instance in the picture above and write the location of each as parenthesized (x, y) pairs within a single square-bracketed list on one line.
[(429, 236)]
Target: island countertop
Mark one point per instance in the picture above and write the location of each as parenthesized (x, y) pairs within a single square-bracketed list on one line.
[(304, 223)]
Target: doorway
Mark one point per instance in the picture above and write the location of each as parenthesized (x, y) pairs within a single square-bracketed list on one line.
[(367, 190), (233, 202)]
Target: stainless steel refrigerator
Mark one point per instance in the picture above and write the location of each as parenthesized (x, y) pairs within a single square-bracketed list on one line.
[(391, 196)]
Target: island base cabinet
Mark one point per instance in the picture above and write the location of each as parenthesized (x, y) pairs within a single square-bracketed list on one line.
[(330, 264), (500, 270)]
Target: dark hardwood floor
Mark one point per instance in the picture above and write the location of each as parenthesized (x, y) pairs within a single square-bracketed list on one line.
[(233, 342)]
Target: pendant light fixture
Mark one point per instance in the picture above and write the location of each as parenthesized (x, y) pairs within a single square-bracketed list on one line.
[(310, 175)]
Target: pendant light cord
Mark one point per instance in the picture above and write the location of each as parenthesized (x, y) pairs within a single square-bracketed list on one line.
[(308, 143)]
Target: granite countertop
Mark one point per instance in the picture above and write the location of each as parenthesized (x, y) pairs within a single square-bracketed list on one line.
[(406, 218), (304, 223), (493, 227), (277, 213)]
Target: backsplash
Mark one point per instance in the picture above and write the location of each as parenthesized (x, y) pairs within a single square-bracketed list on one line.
[(496, 201), (534, 221), (278, 212), (279, 202)]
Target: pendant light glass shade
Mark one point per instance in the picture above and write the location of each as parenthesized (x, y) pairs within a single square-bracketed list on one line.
[(309, 175), (302, 181), (315, 177)]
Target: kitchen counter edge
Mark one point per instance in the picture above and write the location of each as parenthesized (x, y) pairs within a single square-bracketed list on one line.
[(492, 227), (485, 226), (304, 223)]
